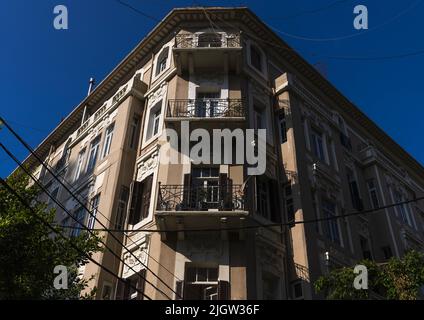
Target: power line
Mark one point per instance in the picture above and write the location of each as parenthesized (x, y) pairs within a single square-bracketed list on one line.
[(311, 11), (128, 237), (73, 218), (298, 37), (12, 191), (273, 225), (78, 200), (137, 11), (341, 57)]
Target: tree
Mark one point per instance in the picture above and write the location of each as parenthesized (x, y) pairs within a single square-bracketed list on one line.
[(29, 250), (399, 279)]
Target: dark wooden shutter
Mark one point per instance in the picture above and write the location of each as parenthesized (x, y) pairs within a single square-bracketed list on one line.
[(145, 197), (223, 192), (179, 290), (223, 290), (186, 191), (120, 290), (135, 203), (275, 200), (141, 284)]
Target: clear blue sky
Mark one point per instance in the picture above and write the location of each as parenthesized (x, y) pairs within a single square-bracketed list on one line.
[(44, 72)]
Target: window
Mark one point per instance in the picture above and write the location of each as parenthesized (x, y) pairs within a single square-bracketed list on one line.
[(79, 215), (162, 61), (201, 284), (372, 191), (270, 287), (79, 166), (52, 197), (140, 201), (354, 191), (122, 207), (94, 151), (260, 117), (205, 187), (209, 40), (387, 252), (262, 198), (256, 58), (108, 140), (135, 285), (94, 208), (289, 203), (154, 120), (107, 292), (207, 104), (297, 290), (317, 144), (65, 156), (133, 133), (366, 252), (329, 212), (402, 209), (283, 126)]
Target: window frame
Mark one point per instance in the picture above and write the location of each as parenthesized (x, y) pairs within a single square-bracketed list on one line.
[(94, 208), (108, 140), (163, 56), (90, 164), (319, 153), (332, 225), (80, 164)]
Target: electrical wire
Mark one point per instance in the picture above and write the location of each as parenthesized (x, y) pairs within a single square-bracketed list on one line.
[(339, 57), (13, 191), (72, 216), (273, 225), (298, 37), (22, 141), (137, 11), (72, 187), (311, 11)]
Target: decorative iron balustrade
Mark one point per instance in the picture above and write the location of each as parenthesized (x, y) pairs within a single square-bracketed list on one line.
[(205, 108), (207, 40), (201, 198)]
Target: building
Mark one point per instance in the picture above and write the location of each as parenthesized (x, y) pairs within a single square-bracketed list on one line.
[(219, 68)]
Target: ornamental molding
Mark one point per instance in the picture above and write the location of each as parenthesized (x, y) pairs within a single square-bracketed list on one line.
[(137, 259), (147, 165), (157, 95)]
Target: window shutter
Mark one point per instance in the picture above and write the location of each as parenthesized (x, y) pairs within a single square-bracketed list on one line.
[(223, 192), (186, 191), (275, 201), (145, 197), (223, 290), (179, 290), (141, 284), (121, 290), (135, 203)]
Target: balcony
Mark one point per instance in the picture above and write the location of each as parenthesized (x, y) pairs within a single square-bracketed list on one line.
[(206, 109), (207, 50), (199, 207), (207, 41)]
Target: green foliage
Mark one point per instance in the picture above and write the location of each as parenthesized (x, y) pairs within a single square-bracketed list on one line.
[(398, 279), (29, 250)]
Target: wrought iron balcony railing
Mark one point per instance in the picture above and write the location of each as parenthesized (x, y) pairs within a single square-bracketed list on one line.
[(207, 40), (203, 198), (205, 108)]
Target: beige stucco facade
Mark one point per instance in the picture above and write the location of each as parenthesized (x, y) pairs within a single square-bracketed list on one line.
[(324, 158)]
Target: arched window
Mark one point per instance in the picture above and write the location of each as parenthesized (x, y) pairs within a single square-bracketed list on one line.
[(209, 40), (161, 62)]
